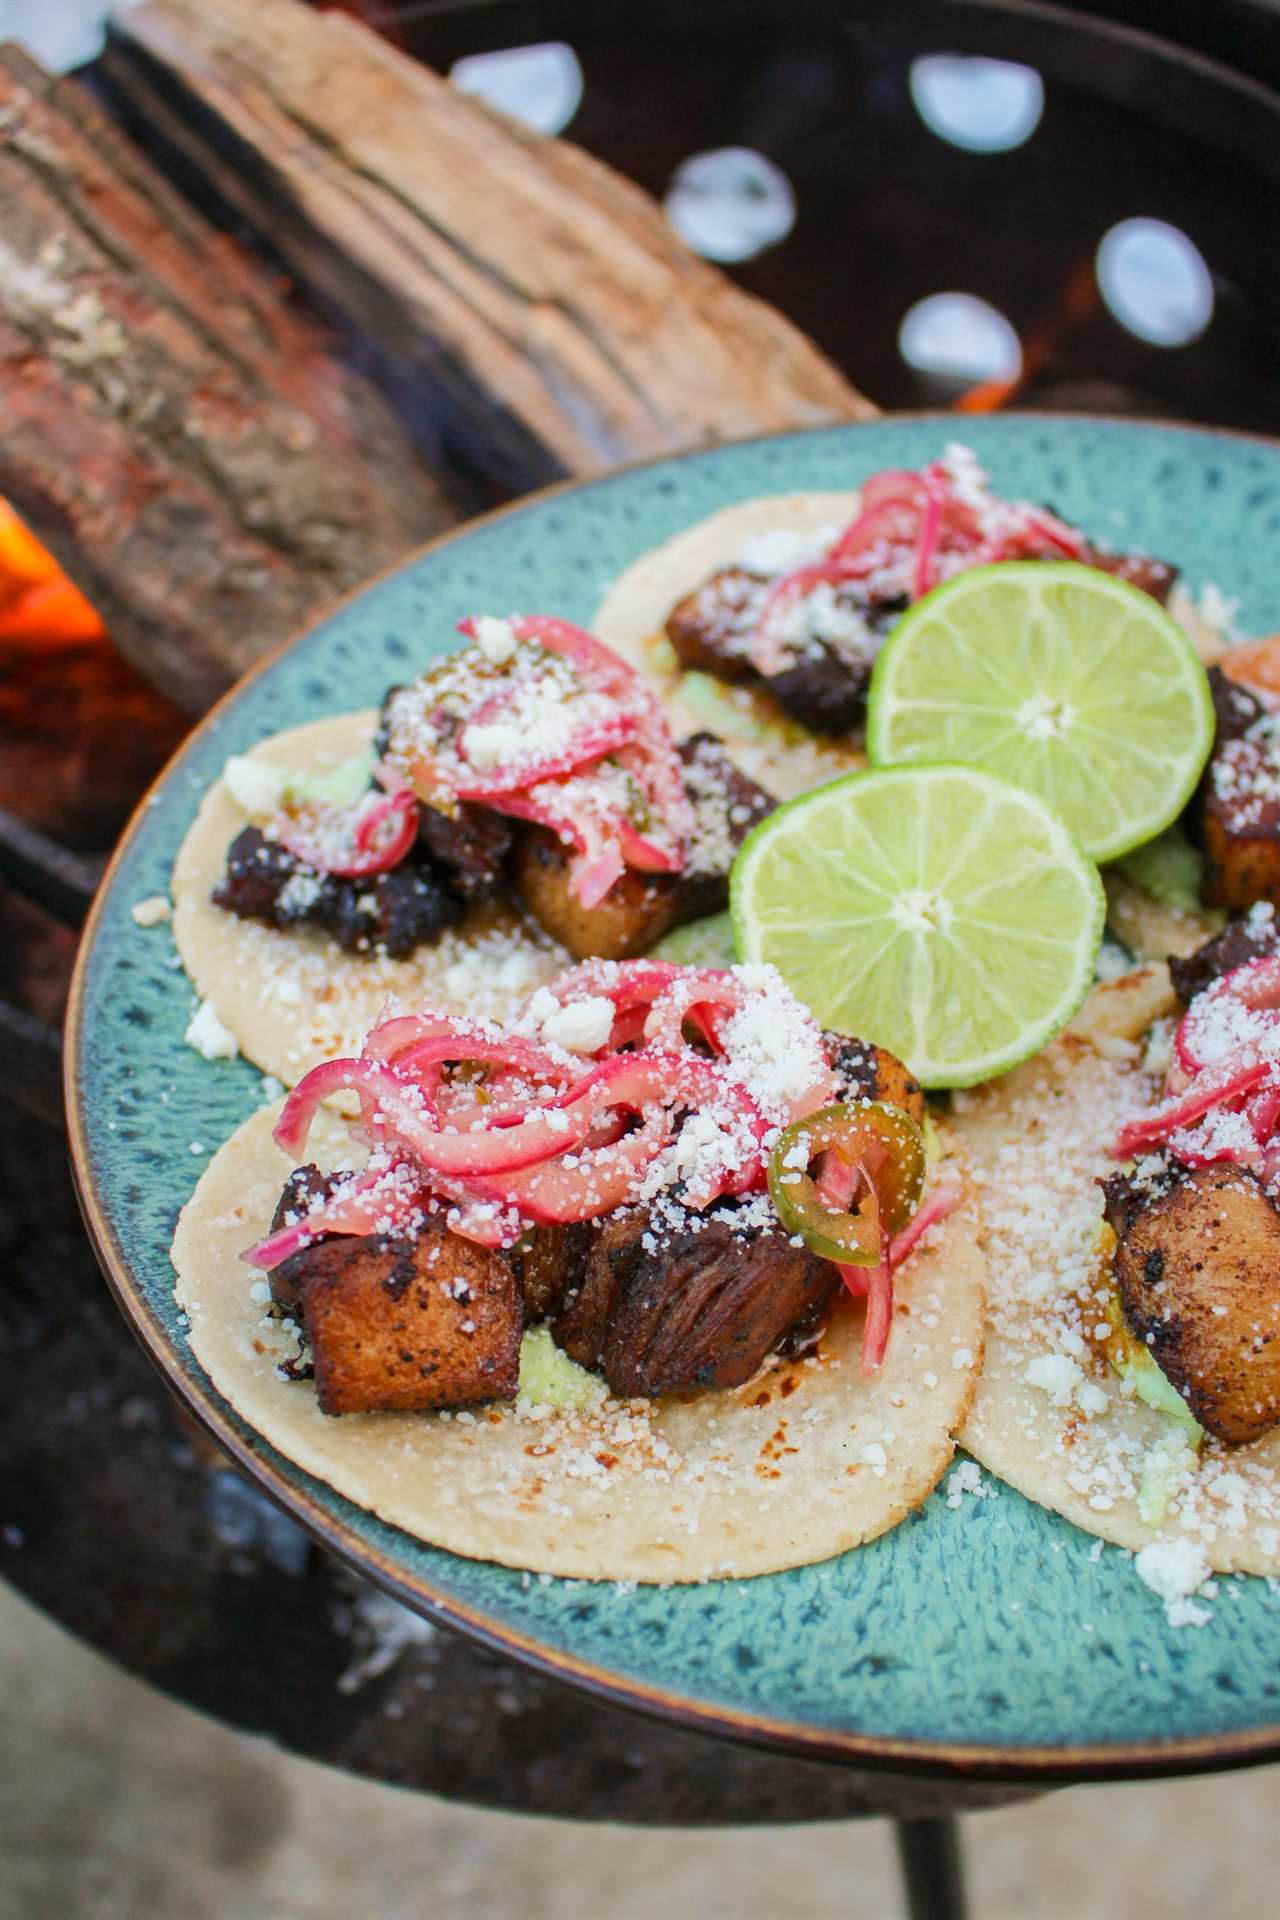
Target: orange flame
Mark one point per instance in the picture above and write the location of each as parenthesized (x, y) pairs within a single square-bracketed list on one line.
[(1078, 301), (39, 606)]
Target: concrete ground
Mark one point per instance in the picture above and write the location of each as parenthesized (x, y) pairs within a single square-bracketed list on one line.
[(117, 1805)]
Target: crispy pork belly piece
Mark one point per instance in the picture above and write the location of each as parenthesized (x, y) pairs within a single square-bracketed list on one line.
[(1240, 941), (824, 690), (404, 1325), (305, 1188), (726, 805), (695, 1303), (873, 1073), (637, 910), (582, 1321), (472, 847), (546, 1262), (1241, 828), (711, 628), (1236, 812), (1236, 708), (640, 907), (1155, 577), (1197, 1272), (824, 686), (396, 912)]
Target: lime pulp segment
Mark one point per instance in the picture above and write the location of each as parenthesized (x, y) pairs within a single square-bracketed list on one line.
[(1056, 676), (936, 911)]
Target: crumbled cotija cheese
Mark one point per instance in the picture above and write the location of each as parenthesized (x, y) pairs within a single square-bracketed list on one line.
[(581, 1027), (827, 614), (1175, 1569), (491, 746), (206, 1033), (1055, 1374), (496, 639), (772, 1045), (151, 912), (299, 892), (256, 788), (967, 1478), (782, 549)]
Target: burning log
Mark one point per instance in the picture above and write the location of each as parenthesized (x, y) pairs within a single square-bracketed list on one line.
[(178, 436), (539, 304), (185, 442)]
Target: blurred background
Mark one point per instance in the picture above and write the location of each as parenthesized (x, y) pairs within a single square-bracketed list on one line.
[(969, 206)]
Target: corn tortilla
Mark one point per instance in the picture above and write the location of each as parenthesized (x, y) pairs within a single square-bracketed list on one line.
[(806, 1460), (775, 750), (294, 998), (1037, 1144)]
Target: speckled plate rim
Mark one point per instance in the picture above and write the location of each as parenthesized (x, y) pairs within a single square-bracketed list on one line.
[(1026, 1764)]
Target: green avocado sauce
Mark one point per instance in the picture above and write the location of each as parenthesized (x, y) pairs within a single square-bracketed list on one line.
[(549, 1378), (700, 943), (1134, 1362), (715, 706), (1167, 868), (260, 789)]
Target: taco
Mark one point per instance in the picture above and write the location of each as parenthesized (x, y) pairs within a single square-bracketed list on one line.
[(765, 620), (522, 801), (291, 994), (649, 1282), (771, 745), (1128, 1182), (1223, 856), (774, 610)]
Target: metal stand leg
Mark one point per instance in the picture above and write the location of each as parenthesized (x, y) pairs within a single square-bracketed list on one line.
[(931, 1868)]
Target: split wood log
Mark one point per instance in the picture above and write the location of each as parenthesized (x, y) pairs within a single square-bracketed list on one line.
[(180, 436), (541, 300)]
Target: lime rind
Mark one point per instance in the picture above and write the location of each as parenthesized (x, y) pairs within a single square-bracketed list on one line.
[(1131, 677), (958, 1009)]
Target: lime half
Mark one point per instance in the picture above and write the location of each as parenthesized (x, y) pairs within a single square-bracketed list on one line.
[(1058, 677), (937, 911)]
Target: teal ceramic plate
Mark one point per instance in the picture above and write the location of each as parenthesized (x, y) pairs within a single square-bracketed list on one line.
[(984, 1637)]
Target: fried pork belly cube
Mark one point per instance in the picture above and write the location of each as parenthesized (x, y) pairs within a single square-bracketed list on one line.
[(583, 1317), (398, 911), (824, 690), (674, 1301), (837, 634), (1154, 577), (1240, 941), (472, 846), (640, 907), (726, 805), (405, 1325), (304, 1190), (546, 1261), (711, 629), (1236, 813), (1197, 1274), (866, 1072), (1236, 708), (1242, 832), (637, 910)]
